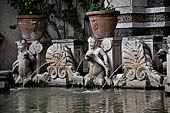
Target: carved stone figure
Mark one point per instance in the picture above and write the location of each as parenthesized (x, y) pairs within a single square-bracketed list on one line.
[(21, 67), (99, 66), (138, 65)]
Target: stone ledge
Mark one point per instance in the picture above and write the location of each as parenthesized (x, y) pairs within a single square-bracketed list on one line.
[(141, 10), (124, 32), (143, 24), (137, 83), (167, 88), (67, 41)]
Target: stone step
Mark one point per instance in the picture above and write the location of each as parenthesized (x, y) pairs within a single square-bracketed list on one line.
[(6, 80)]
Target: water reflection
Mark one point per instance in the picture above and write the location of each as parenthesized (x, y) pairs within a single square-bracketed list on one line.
[(61, 100)]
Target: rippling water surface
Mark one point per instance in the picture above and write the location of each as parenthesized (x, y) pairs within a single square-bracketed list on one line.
[(61, 100)]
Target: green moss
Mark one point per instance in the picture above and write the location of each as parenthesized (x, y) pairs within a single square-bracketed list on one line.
[(42, 84)]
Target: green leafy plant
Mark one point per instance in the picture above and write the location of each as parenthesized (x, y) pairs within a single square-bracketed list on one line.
[(70, 16), (43, 84), (29, 7), (98, 7)]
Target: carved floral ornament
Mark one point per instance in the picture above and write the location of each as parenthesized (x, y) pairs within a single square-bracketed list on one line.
[(59, 58), (134, 60), (138, 63)]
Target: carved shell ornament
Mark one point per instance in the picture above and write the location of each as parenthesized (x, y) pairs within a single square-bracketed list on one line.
[(106, 45), (134, 60), (55, 54), (36, 47)]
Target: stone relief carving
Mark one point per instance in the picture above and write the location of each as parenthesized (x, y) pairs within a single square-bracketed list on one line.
[(21, 67), (61, 62), (106, 45), (137, 63), (36, 47), (99, 66)]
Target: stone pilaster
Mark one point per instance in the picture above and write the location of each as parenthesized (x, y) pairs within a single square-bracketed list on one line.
[(142, 17), (167, 84)]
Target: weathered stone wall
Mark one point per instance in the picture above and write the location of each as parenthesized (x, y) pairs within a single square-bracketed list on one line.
[(149, 18), (8, 50)]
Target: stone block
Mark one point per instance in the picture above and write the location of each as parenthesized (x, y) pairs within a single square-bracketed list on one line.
[(129, 3), (121, 3), (167, 87), (58, 81), (137, 83), (2, 85), (139, 3)]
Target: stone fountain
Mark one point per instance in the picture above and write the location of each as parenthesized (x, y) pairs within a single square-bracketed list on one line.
[(62, 63)]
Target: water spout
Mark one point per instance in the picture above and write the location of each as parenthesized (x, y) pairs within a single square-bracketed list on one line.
[(29, 77), (112, 74), (79, 64)]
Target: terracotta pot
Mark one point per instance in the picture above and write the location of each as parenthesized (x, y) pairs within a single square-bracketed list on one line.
[(31, 26), (103, 22)]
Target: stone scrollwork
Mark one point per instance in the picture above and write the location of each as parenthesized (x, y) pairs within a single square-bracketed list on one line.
[(61, 61), (137, 63), (62, 72), (53, 71)]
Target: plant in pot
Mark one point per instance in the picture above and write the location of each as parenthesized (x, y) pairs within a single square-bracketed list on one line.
[(103, 20), (31, 17)]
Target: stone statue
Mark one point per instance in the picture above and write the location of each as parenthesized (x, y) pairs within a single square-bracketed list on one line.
[(99, 66), (21, 67)]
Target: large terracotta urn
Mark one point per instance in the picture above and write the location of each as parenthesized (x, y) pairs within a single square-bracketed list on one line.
[(31, 26), (103, 22)]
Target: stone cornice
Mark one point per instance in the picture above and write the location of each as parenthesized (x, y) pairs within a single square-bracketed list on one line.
[(143, 24), (141, 10)]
